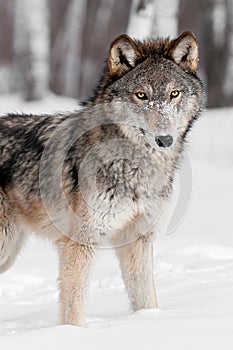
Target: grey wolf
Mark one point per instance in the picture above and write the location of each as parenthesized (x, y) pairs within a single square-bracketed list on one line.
[(101, 176)]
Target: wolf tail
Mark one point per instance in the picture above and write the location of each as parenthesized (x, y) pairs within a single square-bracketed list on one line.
[(11, 237)]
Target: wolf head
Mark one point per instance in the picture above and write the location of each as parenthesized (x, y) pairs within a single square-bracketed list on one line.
[(156, 82)]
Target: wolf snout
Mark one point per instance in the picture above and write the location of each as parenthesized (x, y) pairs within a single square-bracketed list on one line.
[(164, 141)]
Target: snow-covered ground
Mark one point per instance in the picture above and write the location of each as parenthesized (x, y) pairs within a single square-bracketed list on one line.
[(193, 268)]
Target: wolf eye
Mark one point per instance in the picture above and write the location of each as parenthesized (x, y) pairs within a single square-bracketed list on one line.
[(175, 93), (141, 95)]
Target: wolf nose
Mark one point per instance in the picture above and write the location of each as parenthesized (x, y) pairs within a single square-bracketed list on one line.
[(164, 141)]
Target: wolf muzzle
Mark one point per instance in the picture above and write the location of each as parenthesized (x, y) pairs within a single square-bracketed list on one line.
[(164, 141)]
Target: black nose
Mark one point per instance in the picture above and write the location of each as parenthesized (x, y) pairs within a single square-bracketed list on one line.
[(164, 141)]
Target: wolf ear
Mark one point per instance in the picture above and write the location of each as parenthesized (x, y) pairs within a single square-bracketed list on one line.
[(184, 51), (123, 55)]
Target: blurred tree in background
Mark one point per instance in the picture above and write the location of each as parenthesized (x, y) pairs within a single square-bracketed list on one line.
[(60, 45), (212, 22)]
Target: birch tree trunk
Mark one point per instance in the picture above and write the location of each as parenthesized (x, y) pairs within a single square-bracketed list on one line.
[(166, 18), (153, 18), (142, 18), (31, 45)]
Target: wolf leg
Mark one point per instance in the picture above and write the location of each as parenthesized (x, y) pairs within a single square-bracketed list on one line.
[(11, 237), (136, 261), (76, 261)]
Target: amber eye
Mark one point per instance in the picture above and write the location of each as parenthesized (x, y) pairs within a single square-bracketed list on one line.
[(141, 95), (175, 93)]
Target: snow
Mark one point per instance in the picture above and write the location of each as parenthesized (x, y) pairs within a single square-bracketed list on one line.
[(193, 267)]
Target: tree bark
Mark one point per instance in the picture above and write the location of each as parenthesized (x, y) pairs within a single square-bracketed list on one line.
[(227, 99), (57, 12), (104, 21), (7, 73), (153, 18), (32, 47), (211, 21)]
